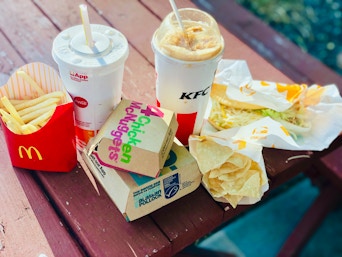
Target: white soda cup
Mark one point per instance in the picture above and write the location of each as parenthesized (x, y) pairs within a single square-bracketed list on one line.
[(92, 75), (184, 78)]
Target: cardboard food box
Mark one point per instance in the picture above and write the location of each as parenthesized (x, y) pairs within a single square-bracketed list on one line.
[(135, 195), (136, 137), (53, 146)]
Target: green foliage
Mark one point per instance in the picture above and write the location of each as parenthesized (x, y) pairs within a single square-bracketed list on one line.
[(314, 25)]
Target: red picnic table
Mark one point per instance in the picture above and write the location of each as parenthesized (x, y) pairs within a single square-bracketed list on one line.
[(60, 214)]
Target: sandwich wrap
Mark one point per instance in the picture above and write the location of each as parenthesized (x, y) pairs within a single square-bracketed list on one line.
[(272, 114), (228, 113)]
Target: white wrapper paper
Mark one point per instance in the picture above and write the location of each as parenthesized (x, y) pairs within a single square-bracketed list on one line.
[(251, 150), (325, 116)]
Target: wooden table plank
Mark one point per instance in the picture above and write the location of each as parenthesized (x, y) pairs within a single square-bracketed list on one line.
[(9, 59), (330, 166), (16, 215), (189, 218), (97, 223), (58, 238), (28, 29), (56, 231)]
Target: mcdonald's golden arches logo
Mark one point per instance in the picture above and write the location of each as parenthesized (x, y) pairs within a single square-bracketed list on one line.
[(28, 152)]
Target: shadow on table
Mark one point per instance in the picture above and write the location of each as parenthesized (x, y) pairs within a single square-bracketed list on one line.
[(263, 230)]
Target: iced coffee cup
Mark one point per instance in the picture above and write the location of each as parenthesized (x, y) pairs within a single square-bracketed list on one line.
[(185, 61), (92, 74)]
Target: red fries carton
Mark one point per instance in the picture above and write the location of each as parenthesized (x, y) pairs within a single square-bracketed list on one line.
[(51, 145)]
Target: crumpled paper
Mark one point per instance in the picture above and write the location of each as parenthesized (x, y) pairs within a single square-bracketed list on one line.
[(325, 114), (250, 150)]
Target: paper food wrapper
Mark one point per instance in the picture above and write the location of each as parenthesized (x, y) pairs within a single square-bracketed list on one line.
[(247, 149), (51, 148), (324, 111)]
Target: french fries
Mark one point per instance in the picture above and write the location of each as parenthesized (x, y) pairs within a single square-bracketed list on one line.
[(28, 116), (32, 83)]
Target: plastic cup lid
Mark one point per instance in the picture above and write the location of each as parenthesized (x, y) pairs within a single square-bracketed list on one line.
[(110, 48)]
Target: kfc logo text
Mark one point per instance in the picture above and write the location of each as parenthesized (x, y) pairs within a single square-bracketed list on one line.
[(194, 95)]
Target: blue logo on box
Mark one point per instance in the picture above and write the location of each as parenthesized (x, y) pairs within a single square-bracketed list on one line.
[(171, 186), (171, 183)]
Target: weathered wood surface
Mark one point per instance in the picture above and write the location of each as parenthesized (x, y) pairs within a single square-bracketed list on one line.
[(330, 166), (73, 220), (16, 216)]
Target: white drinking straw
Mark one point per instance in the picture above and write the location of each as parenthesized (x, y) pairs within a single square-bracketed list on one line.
[(86, 25), (175, 10)]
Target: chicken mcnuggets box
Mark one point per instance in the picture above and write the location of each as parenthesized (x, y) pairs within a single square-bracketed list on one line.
[(135, 195), (136, 137)]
